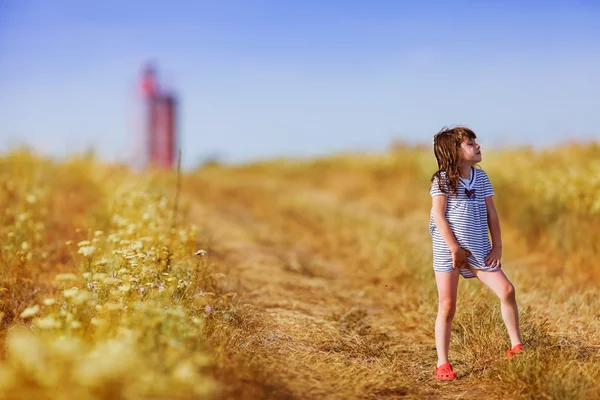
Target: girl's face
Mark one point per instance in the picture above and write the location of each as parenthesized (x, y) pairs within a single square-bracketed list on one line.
[(471, 151)]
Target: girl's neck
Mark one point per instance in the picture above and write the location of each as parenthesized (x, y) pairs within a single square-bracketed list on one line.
[(465, 170)]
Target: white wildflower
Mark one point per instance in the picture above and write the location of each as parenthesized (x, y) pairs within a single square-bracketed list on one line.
[(47, 322), (86, 251), (30, 312), (102, 262), (97, 321), (49, 301), (70, 292), (65, 277)]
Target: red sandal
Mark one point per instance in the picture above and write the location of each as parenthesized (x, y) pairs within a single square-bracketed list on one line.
[(511, 353), (445, 372)]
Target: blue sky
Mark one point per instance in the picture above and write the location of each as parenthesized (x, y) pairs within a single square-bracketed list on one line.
[(260, 79)]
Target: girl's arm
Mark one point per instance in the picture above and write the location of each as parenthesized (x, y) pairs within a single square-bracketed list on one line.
[(493, 259), (439, 218), (493, 222), (459, 255)]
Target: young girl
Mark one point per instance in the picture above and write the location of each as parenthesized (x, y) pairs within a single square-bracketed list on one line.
[(463, 210)]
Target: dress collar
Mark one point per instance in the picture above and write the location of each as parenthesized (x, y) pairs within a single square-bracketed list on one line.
[(471, 182)]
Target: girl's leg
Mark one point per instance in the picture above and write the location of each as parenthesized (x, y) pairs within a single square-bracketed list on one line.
[(499, 283), (447, 285)]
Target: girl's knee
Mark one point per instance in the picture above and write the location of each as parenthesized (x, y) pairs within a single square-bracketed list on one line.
[(507, 292), (446, 309)]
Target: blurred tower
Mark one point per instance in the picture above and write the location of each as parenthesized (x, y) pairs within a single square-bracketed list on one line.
[(160, 121)]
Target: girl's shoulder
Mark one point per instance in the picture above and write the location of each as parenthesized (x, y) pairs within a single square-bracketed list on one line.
[(480, 172), (439, 178), (484, 183), (439, 186)]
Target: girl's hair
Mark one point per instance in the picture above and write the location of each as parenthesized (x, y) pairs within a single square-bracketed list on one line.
[(447, 150)]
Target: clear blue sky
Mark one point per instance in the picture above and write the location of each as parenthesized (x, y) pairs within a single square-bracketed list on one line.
[(273, 78)]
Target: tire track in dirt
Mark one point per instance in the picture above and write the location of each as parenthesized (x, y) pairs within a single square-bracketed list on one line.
[(322, 331), (299, 342)]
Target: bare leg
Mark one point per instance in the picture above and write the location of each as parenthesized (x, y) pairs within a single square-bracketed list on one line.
[(499, 283), (447, 285)]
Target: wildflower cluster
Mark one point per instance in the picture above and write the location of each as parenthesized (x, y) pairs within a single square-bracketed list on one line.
[(129, 319)]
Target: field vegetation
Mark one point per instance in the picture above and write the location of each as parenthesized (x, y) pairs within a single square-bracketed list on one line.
[(288, 279)]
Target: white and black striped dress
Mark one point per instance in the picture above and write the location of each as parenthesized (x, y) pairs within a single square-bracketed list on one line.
[(466, 213)]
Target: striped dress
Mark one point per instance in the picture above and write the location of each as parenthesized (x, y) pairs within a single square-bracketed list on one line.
[(466, 213)]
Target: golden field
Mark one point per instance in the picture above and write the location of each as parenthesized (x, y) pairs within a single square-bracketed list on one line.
[(289, 279)]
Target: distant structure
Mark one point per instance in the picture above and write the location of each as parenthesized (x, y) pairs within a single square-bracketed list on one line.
[(159, 122)]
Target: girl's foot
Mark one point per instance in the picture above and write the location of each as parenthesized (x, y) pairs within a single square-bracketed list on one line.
[(445, 372), (510, 353)]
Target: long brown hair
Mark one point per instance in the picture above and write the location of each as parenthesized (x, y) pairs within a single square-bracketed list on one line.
[(447, 150)]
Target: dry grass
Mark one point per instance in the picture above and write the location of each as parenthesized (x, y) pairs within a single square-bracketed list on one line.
[(335, 258), (330, 261)]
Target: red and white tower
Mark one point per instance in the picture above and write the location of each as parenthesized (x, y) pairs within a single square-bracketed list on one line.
[(160, 121)]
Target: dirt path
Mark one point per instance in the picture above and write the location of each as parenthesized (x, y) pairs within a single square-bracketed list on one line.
[(322, 327)]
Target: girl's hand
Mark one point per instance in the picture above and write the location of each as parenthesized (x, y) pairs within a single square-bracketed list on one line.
[(493, 259), (459, 258)]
